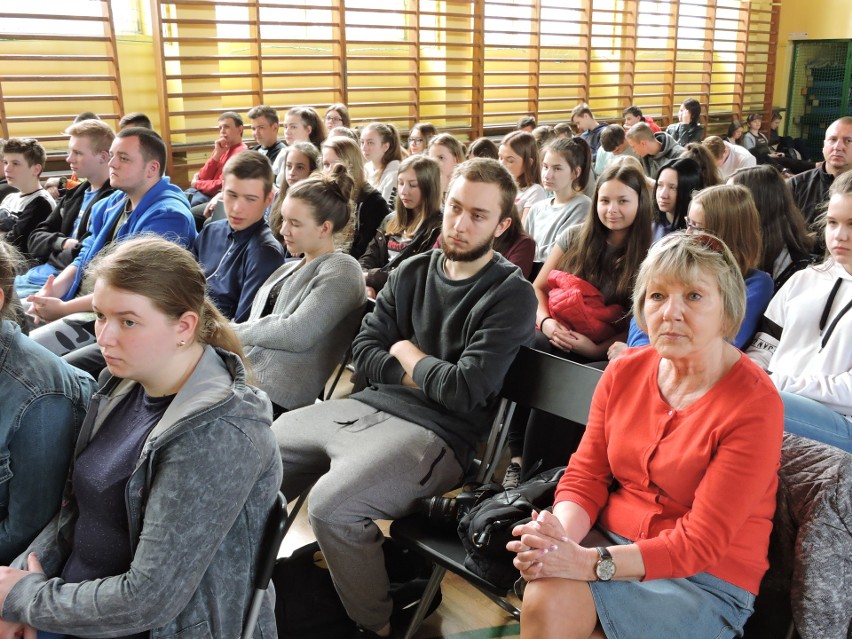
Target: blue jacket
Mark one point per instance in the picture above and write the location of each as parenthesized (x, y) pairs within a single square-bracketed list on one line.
[(43, 404), (163, 210), (236, 263)]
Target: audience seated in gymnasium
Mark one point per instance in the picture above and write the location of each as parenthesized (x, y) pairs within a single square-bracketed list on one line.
[(298, 161), (519, 153), (526, 123), (728, 212), (305, 314), (805, 337), (564, 172), (264, 128), (603, 254), (710, 174), (448, 152), (415, 227), (382, 151), (591, 129), (135, 119), (688, 127), (420, 136), (21, 212), (678, 181), (208, 181), (174, 473), (444, 332), (482, 148), (677, 470), (337, 115), (613, 144), (810, 189), (652, 149), (58, 240), (239, 253), (729, 157), (144, 201), (633, 114), (370, 207), (787, 245), (41, 409)]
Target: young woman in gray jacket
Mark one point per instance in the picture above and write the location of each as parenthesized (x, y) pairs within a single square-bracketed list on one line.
[(173, 475)]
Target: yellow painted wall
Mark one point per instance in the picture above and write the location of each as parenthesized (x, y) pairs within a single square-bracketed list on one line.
[(138, 76), (820, 19)]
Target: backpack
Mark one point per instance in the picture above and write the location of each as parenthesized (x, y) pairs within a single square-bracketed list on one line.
[(487, 527)]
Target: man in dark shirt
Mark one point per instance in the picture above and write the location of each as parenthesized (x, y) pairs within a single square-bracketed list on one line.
[(810, 188), (444, 332), (264, 128), (239, 254)]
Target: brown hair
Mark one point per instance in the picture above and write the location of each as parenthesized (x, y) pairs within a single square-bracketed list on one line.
[(715, 145), (330, 197), (350, 155), (612, 137), (275, 210), (250, 165), (640, 132), (428, 173), (343, 111), (311, 118), (482, 148), (578, 154), (587, 257), (390, 136), (580, 110), (710, 175), (263, 111), (99, 134), (427, 130), (151, 145), (525, 146), (730, 215), (488, 171), (167, 275), (32, 151)]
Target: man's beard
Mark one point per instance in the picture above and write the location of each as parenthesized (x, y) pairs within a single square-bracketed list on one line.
[(470, 255)]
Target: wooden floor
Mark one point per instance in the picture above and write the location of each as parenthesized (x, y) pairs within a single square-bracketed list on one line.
[(464, 613)]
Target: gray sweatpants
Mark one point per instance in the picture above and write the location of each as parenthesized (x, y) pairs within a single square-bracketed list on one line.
[(367, 465)]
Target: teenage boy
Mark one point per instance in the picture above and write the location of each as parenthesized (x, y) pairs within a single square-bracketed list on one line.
[(58, 240), (21, 212), (633, 114), (444, 332), (239, 254), (584, 120), (652, 149), (613, 145), (264, 128), (144, 201)]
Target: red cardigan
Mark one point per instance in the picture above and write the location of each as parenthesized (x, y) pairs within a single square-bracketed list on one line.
[(697, 486), (209, 179)]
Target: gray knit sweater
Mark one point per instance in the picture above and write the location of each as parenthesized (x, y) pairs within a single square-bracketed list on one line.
[(293, 350)]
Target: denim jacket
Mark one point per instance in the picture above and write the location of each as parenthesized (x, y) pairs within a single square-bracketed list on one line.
[(42, 406), (197, 503)]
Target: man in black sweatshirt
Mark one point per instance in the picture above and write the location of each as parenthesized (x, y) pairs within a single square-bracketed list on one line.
[(444, 332)]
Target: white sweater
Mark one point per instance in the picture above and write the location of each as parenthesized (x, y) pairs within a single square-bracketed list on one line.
[(792, 350)]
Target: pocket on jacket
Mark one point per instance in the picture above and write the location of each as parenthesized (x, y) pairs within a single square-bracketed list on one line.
[(198, 631), (5, 469)]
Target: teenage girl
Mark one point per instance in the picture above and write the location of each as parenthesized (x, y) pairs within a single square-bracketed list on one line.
[(449, 153), (420, 136), (806, 337), (298, 161), (305, 315), (370, 207), (519, 153), (382, 151), (337, 115), (676, 182), (301, 124), (415, 227), (564, 172)]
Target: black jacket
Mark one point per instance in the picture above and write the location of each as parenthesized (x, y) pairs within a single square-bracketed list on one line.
[(370, 209), (376, 260), (810, 190), (45, 242), (272, 152)]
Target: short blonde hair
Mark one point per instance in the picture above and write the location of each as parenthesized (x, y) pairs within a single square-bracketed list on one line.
[(683, 257)]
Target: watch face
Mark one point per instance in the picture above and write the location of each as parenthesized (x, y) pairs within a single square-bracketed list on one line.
[(605, 569)]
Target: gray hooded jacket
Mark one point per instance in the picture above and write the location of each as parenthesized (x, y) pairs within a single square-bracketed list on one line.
[(197, 503)]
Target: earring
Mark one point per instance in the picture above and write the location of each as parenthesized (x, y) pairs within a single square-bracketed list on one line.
[(182, 343)]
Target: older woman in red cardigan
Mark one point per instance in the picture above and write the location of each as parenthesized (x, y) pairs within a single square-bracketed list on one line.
[(677, 469)]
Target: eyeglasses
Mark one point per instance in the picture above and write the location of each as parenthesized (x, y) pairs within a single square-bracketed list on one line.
[(333, 118), (415, 140), (692, 226)]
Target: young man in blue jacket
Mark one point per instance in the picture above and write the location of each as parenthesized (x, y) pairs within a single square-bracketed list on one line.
[(145, 201), (445, 330)]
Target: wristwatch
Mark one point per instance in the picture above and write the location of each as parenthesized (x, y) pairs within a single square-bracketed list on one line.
[(605, 567)]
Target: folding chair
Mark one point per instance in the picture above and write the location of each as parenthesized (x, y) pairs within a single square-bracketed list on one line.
[(535, 380), (347, 356), (277, 524)]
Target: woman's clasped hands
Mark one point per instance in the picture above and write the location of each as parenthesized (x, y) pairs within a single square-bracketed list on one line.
[(545, 550)]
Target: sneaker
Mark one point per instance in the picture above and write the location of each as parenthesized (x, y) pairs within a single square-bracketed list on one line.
[(512, 477)]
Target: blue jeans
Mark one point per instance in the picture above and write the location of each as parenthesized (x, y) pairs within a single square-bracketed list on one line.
[(808, 418)]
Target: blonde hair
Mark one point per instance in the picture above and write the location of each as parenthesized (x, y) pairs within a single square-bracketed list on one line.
[(350, 155), (683, 257), (731, 215), (167, 275)]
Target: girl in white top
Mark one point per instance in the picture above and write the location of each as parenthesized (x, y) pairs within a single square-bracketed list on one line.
[(449, 153), (806, 340), (301, 124), (565, 173), (520, 155), (382, 151)]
